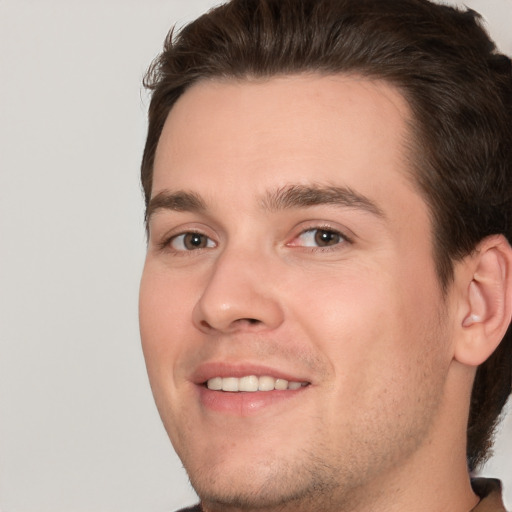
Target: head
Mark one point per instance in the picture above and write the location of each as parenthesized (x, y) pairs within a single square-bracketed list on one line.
[(454, 92)]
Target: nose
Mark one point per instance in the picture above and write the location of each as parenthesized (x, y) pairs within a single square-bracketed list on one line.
[(239, 295)]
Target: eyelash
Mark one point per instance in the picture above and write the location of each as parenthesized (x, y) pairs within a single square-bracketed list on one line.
[(167, 243), (343, 239), (315, 230)]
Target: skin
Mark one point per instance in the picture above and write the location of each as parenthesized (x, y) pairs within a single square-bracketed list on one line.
[(362, 320)]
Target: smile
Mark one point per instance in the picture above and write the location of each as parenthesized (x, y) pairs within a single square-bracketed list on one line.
[(252, 383)]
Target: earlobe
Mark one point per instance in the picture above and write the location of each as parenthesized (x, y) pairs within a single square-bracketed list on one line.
[(487, 304)]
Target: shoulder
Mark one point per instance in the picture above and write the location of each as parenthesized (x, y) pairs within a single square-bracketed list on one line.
[(489, 490)]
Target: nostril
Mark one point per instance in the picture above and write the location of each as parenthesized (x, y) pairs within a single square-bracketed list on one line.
[(251, 321), (238, 323), (205, 325), (245, 322)]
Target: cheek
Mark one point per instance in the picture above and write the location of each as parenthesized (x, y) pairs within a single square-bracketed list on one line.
[(163, 316), (345, 309), (381, 341), (370, 325), (165, 326)]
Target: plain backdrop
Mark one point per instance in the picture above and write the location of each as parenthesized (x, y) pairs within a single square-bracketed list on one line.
[(78, 427)]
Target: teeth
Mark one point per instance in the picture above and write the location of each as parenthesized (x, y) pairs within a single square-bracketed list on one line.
[(251, 383), (283, 384), (215, 384), (247, 383), (230, 384), (266, 384)]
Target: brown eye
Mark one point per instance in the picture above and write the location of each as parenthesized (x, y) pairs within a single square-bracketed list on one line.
[(191, 241), (318, 237), (194, 241), (324, 238)]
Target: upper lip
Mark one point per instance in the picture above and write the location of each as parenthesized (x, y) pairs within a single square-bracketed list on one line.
[(212, 369)]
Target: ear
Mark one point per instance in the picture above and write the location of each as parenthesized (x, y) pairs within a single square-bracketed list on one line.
[(486, 306)]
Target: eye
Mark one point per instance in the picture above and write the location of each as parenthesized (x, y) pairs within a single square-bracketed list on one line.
[(190, 242), (318, 237)]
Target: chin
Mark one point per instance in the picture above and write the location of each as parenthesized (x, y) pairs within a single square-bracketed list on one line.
[(259, 478), (259, 486)]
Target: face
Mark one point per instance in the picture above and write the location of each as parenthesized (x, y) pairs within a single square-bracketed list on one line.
[(290, 257)]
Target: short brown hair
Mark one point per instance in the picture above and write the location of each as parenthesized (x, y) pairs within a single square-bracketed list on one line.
[(459, 89)]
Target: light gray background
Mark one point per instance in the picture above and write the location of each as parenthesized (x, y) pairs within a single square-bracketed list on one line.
[(78, 428)]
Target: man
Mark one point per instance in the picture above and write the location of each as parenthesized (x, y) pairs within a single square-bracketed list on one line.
[(327, 288)]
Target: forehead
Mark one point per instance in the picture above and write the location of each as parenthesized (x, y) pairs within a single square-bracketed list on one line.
[(248, 136)]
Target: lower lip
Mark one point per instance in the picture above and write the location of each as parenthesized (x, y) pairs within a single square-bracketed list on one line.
[(244, 403)]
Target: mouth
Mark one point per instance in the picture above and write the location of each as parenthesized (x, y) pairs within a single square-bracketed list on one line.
[(246, 389), (252, 384)]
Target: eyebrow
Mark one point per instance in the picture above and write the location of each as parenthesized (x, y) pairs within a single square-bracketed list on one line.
[(284, 198), (303, 196), (180, 201)]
